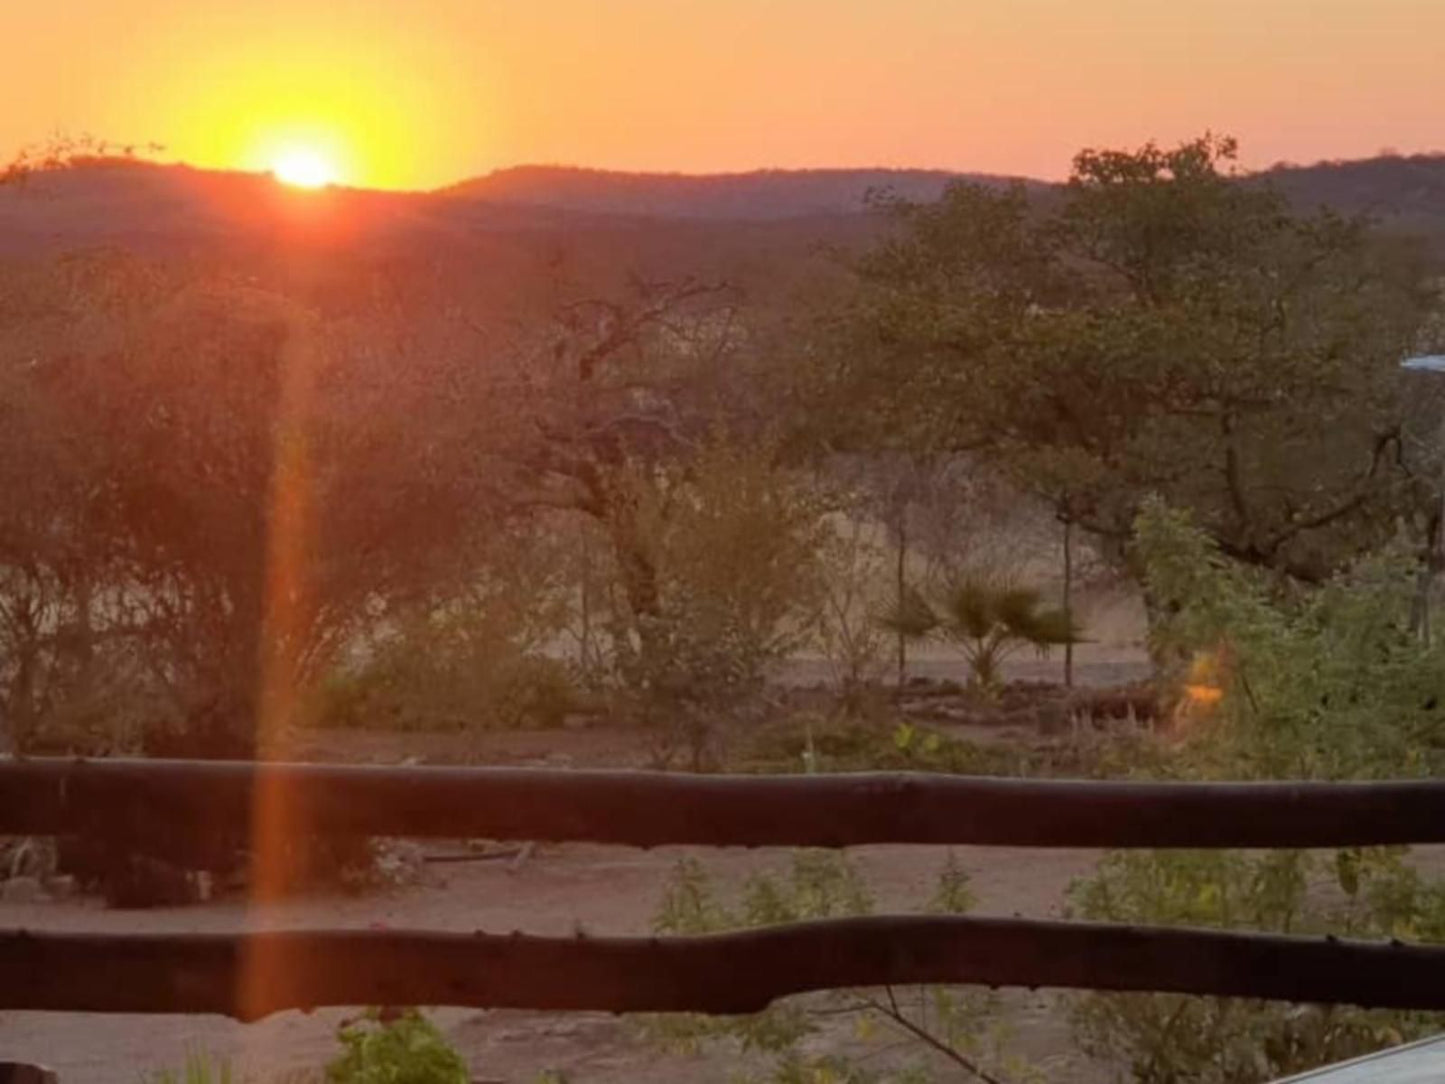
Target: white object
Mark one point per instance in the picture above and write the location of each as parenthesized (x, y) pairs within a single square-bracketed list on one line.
[(1414, 1063), (1430, 363)]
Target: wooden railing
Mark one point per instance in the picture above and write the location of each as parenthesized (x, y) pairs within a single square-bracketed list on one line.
[(250, 975)]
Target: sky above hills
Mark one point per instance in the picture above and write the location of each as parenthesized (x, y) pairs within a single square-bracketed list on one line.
[(420, 93)]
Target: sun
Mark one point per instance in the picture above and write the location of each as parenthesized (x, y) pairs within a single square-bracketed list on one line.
[(303, 167)]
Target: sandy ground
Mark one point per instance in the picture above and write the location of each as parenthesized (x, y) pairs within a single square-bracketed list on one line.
[(607, 890)]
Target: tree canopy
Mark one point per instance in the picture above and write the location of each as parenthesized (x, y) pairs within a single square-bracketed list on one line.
[(1162, 325)]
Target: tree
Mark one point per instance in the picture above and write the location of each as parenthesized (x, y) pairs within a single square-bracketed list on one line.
[(1161, 325), (244, 494)]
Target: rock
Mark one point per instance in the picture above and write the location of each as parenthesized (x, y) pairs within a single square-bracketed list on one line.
[(22, 890)]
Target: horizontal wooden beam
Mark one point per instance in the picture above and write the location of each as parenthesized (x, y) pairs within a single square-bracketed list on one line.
[(55, 796), (251, 976)]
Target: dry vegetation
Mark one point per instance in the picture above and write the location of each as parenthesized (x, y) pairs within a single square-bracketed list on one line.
[(393, 487)]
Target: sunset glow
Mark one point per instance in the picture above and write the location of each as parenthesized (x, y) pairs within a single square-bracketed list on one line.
[(304, 168), (420, 95)]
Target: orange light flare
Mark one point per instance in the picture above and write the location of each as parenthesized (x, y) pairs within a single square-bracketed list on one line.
[(1203, 688), (1204, 695), (279, 822)]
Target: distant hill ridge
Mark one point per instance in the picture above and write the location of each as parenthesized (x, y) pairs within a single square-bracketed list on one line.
[(757, 195), (170, 207)]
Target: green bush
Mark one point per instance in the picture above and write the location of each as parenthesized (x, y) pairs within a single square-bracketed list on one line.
[(1322, 682), (1325, 682), (199, 1069), (406, 1050), (814, 744), (953, 1025), (1173, 1039), (419, 686)]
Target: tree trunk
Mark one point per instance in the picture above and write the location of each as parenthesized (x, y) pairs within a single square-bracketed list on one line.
[(638, 572), (1069, 599), (902, 592)]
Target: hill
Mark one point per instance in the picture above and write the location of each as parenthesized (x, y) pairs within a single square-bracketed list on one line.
[(1405, 193), (657, 224), (760, 195)]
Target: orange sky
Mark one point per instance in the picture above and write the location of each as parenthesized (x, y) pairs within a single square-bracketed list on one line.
[(417, 94)]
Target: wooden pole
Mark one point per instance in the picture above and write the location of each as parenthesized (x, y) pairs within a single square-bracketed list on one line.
[(730, 973), (131, 799)]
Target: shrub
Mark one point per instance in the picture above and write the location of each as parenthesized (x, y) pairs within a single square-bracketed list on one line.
[(422, 684), (405, 1050), (1325, 682), (952, 1024), (472, 655), (199, 1069), (1301, 683), (1173, 1039), (722, 555)]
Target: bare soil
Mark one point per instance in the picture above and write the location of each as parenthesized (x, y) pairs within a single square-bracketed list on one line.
[(605, 890)]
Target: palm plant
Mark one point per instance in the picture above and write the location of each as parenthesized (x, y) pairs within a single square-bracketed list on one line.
[(990, 622), (987, 621)]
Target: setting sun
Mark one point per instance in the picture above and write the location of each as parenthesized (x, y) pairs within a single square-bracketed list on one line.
[(303, 168)]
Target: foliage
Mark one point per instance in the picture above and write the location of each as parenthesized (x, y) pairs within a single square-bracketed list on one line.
[(1315, 683), (199, 1069), (1164, 326), (849, 637), (886, 743), (405, 1050), (222, 493), (412, 687), (731, 543), (474, 657), (953, 1025), (1170, 1039), (986, 621)]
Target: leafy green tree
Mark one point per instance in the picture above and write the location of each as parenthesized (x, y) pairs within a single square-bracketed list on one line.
[(1162, 324)]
